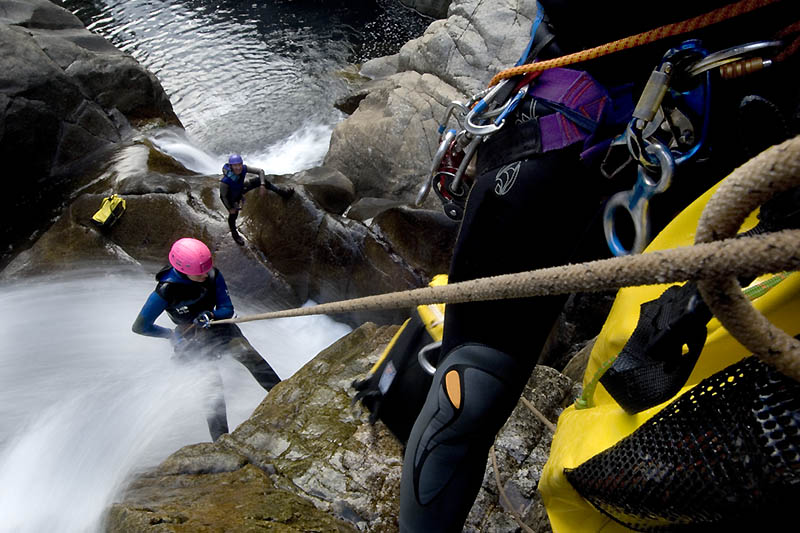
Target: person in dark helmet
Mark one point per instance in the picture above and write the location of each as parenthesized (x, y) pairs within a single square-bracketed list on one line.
[(490, 348), (193, 292), (235, 183)]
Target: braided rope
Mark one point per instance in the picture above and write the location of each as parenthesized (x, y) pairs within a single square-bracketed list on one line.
[(746, 256), (749, 186), (668, 30)]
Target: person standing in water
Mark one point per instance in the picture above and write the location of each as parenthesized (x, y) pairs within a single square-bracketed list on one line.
[(193, 293), (235, 183)]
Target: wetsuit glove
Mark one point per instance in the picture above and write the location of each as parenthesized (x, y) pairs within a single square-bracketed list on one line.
[(204, 319), (285, 193)]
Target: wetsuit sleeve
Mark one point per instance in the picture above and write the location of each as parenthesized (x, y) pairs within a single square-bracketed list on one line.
[(145, 322), (224, 308), (264, 181), (261, 175)]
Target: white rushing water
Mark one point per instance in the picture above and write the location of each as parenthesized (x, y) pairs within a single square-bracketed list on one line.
[(84, 402), (303, 149)]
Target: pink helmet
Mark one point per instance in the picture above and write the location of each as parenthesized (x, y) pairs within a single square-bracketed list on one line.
[(190, 257)]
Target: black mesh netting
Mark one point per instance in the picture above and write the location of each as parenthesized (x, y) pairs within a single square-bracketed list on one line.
[(722, 456)]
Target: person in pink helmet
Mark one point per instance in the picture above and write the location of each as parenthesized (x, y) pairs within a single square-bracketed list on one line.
[(234, 184), (193, 293)]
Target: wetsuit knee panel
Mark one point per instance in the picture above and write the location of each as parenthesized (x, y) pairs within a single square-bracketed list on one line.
[(473, 391)]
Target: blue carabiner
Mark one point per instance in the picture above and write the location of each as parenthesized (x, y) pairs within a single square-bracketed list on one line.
[(636, 202)]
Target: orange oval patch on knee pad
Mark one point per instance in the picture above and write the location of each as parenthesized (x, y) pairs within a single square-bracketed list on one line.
[(452, 383)]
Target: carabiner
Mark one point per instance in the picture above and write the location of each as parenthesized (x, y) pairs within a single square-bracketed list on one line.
[(449, 112), (480, 112), (729, 55), (636, 202), (469, 151), (423, 359), (444, 146)]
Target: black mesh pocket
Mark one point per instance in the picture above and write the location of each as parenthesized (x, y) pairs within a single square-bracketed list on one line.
[(722, 456)]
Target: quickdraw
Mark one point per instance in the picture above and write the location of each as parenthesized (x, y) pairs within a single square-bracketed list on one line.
[(669, 127), (482, 116)]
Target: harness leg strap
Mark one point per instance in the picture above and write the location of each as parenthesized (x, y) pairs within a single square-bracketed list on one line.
[(473, 392)]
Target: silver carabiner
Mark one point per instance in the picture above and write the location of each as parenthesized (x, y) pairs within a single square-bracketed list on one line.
[(423, 359), (469, 152), (636, 202), (480, 112), (437, 160), (729, 55)]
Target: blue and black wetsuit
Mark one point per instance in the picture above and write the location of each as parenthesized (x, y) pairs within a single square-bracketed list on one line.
[(184, 300), (232, 188), (556, 200)]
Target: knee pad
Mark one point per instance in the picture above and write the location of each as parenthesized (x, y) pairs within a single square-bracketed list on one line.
[(473, 392)]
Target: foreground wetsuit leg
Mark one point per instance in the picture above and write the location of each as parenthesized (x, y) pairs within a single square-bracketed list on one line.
[(522, 216), (472, 395)]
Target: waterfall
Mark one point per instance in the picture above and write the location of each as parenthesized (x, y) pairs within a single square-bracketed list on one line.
[(85, 403)]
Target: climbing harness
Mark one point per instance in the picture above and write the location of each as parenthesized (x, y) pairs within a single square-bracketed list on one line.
[(485, 113)]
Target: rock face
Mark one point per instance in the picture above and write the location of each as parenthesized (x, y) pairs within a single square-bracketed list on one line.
[(66, 97), (307, 460), (403, 106)]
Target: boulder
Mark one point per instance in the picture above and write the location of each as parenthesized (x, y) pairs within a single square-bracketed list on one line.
[(386, 146), (365, 209), (81, 93), (423, 237), (326, 257), (403, 113), (329, 188)]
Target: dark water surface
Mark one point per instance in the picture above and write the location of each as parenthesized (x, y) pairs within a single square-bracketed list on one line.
[(245, 75)]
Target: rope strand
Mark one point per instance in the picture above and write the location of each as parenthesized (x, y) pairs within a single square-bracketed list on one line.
[(669, 30), (746, 256)]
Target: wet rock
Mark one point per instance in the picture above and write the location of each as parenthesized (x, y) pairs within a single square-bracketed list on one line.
[(305, 461), (326, 257), (365, 209), (82, 95), (331, 189), (307, 447), (424, 238)]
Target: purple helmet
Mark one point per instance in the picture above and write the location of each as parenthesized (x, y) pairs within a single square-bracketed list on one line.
[(235, 159)]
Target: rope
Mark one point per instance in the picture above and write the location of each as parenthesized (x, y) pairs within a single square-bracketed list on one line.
[(503, 494), (746, 256), (749, 186), (669, 30), (538, 414)]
